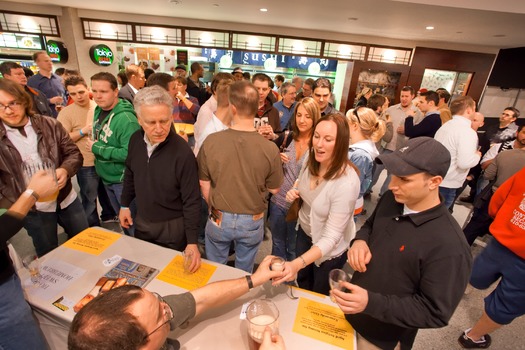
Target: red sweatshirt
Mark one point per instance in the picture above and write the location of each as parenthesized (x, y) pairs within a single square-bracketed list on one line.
[(508, 209)]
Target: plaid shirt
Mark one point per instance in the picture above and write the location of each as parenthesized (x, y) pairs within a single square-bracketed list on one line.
[(181, 114)]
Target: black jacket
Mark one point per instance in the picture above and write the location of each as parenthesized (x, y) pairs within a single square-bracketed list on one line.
[(419, 269), (166, 185)]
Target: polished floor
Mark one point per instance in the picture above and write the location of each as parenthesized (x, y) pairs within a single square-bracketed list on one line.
[(511, 337)]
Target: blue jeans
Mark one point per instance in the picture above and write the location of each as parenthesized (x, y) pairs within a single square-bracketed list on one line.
[(449, 195), (42, 226), (283, 233), (246, 233), (114, 192), (88, 182), (18, 328)]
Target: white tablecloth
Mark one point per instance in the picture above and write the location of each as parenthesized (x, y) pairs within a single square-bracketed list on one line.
[(219, 328)]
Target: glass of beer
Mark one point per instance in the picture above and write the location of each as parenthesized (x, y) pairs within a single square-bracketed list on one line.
[(31, 167), (32, 264), (188, 258), (260, 314)]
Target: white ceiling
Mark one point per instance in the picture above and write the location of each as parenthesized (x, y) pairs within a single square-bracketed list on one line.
[(496, 23)]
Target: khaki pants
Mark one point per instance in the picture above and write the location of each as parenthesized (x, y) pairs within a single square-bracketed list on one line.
[(363, 344)]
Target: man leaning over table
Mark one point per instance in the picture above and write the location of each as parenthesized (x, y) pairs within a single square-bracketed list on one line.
[(18, 329), (411, 260), (161, 175), (130, 317)]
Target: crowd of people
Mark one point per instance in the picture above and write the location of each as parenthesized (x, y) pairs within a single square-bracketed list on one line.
[(285, 156)]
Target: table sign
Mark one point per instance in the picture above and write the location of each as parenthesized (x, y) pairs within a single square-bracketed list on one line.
[(92, 241), (323, 322), (56, 276), (174, 274)]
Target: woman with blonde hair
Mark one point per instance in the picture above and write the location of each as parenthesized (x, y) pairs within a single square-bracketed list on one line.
[(363, 96), (365, 130), (328, 186), (294, 152)]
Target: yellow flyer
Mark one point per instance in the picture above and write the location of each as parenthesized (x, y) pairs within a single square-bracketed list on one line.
[(92, 241), (325, 323), (174, 274)]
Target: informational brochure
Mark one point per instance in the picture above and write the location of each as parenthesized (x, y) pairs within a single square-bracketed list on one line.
[(126, 272), (55, 277), (92, 241), (174, 274), (325, 323)]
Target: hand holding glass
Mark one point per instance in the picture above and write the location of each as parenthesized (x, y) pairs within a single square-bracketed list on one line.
[(261, 313), (31, 167)]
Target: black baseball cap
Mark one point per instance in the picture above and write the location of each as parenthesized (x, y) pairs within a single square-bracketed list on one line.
[(181, 66), (421, 154)]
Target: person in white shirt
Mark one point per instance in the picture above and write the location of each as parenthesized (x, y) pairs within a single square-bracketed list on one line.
[(461, 141), (218, 119)]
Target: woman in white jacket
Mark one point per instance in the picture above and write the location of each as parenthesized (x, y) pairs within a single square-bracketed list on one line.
[(328, 187)]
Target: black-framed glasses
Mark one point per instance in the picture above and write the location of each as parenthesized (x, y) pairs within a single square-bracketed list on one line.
[(11, 105), (167, 314)]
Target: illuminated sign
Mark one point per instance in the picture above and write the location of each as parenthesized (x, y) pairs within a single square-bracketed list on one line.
[(57, 51), (101, 55)]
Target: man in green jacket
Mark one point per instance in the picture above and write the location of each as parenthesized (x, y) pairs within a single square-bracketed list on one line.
[(113, 124)]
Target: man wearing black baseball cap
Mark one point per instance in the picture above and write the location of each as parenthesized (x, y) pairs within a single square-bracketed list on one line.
[(411, 261)]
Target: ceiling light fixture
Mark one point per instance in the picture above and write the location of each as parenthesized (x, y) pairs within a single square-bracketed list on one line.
[(429, 28), (175, 2), (353, 18), (263, 10)]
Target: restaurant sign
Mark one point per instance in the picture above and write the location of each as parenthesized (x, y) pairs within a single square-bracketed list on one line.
[(101, 55), (57, 51), (259, 59)]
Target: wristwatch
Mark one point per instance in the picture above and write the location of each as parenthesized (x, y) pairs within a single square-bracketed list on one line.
[(31, 192)]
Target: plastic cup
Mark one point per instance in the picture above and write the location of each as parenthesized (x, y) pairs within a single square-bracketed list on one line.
[(31, 167), (335, 279), (32, 264), (188, 258)]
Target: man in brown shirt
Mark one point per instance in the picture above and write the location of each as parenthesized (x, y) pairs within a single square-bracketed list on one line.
[(237, 167)]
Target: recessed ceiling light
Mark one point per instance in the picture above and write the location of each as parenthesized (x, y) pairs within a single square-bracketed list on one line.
[(263, 10), (215, 5), (499, 35), (353, 18), (176, 2), (429, 28), (459, 32)]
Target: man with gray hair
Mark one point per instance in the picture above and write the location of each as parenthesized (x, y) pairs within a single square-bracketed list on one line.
[(161, 175)]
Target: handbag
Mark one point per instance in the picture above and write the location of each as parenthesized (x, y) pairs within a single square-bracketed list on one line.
[(293, 212)]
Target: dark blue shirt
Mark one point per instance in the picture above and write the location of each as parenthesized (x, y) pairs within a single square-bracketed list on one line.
[(51, 87)]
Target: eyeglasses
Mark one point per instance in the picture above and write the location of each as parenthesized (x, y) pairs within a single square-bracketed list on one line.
[(167, 314), (11, 105), (356, 115)]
